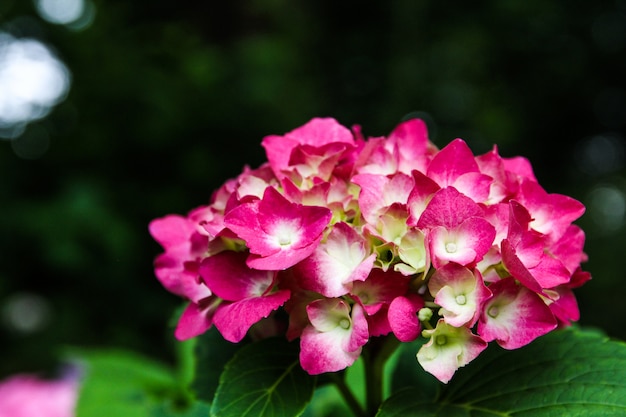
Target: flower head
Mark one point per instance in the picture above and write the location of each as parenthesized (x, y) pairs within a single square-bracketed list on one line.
[(347, 238)]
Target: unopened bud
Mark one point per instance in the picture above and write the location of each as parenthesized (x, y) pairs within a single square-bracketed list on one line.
[(424, 314)]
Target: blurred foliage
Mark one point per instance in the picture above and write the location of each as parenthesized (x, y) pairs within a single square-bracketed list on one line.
[(170, 99)]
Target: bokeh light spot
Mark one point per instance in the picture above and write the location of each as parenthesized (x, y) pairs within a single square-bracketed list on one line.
[(60, 12), (26, 312), (600, 154), (32, 81), (607, 207)]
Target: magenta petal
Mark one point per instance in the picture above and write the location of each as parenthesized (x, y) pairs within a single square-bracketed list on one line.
[(465, 244), (448, 208), (278, 233), (517, 269), (565, 308), (336, 263), (317, 132), (378, 324), (172, 230), (420, 196), (194, 321), (380, 287), (179, 277), (235, 319), (569, 249), (451, 162), (228, 276), (31, 395), (280, 260), (403, 318), (360, 332), (411, 138), (551, 214)]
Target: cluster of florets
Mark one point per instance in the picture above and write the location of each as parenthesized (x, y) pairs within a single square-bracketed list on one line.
[(338, 239)]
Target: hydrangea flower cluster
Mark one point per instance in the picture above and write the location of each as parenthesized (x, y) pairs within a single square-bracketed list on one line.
[(28, 395), (357, 238)]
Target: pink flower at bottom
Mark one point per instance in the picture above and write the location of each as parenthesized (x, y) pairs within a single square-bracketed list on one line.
[(27, 395), (448, 349), (334, 338)]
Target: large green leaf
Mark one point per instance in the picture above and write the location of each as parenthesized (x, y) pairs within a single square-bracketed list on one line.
[(566, 373), (120, 383), (264, 379), (211, 352)]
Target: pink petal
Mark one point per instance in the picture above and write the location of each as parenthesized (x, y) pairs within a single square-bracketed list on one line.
[(233, 320), (334, 340), (569, 249), (195, 320), (454, 160), (26, 395), (379, 192), (403, 318), (380, 287), (520, 167), (180, 277), (420, 196), (565, 308), (378, 157), (465, 244), (448, 349), (172, 230), (411, 139), (278, 233), (514, 316), (552, 214), (228, 276), (317, 132), (460, 292), (336, 263), (517, 269), (448, 208)]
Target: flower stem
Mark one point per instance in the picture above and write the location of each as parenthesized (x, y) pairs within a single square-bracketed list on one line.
[(347, 394), (374, 359)]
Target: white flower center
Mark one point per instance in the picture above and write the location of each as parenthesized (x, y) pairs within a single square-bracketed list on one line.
[(451, 247), (493, 312), (286, 233), (441, 340), (344, 323), (461, 299)]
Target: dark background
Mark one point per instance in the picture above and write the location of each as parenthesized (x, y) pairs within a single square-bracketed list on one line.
[(170, 99)]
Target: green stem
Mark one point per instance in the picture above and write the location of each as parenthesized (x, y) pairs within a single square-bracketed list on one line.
[(374, 360), (347, 394)]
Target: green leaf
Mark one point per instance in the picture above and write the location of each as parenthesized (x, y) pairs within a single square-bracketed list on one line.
[(565, 373), (264, 379), (120, 383), (212, 352), (197, 409), (408, 373)]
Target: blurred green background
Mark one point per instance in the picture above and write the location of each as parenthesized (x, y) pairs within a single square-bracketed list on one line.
[(148, 106)]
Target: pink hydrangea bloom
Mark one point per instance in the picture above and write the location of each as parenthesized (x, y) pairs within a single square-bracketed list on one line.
[(27, 395), (334, 338), (278, 233), (350, 238), (448, 349)]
